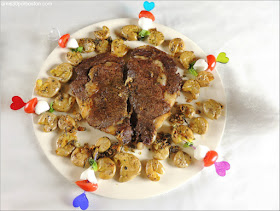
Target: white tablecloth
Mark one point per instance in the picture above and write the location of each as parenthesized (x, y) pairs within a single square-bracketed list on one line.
[(247, 31)]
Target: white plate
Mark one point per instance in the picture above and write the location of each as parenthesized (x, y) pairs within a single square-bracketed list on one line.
[(140, 187)]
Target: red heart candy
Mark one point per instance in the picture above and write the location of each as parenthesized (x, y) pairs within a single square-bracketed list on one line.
[(63, 40), (30, 105), (86, 185), (211, 62), (146, 14), (210, 158), (17, 103)]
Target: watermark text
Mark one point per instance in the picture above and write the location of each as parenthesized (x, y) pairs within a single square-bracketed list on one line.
[(26, 4)]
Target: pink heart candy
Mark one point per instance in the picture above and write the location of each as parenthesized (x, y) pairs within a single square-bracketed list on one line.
[(222, 167)]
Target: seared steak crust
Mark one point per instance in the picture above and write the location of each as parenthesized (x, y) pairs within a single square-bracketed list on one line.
[(103, 93), (153, 86), (102, 96)]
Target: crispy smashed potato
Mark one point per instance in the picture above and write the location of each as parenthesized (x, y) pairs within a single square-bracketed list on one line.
[(106, 168), (63, 71), (188, 110), (66, 144), (130, 166), (102, 46), (80, 156), (186, 58), (153, 169), (63, 102), (87, 44), (49, 121), (182, 159), (102, 34), (199, 125), (192, 88), (49, 88), (204, 78), (212, 109), (176, 45), (182, 133), (156, 37), (177, 118), (118, 48), (74, 58), (114, 149), (103, 144), (161, 146), (67, 123), (130, 32)]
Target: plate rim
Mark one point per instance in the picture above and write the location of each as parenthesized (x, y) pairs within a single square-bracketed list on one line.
[(156, 24)]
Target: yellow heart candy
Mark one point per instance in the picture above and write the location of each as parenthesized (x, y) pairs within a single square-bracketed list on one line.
[(222, 58)]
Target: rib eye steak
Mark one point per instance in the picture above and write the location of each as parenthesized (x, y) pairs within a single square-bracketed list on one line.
[(102, 95), (154, 86)]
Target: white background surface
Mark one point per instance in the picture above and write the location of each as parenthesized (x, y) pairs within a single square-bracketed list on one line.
[(247, 31)]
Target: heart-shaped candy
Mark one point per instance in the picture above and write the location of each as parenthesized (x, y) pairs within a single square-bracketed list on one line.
[(222, 167), (222, 58), (89, 175), (72, 43), (17, 103), (54, 34), (81, 201), (145, 23), (87, 185), (200, 65), (149, 5), (211, 60), (41, 107), (146, 14), (210, 158), (30, 105)]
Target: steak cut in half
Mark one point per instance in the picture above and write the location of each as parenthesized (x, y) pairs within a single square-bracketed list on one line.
[(153, 86), (102, 95)]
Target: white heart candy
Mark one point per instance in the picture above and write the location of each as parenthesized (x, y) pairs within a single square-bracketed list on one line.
[(41, 107), (72, 43), (200, 65), (145, 23), (54, 34), (200, 152), (89, 175)]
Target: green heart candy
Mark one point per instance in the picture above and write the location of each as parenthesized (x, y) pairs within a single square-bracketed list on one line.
[(222, 58)]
